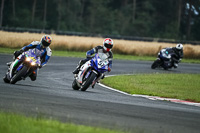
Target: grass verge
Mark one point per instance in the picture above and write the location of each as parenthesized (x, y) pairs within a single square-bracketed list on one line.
[(83, 55), (12, 123), (180, 86)]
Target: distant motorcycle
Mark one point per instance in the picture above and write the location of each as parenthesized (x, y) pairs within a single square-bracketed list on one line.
[(164, 60), (91, 72), (23, 66)]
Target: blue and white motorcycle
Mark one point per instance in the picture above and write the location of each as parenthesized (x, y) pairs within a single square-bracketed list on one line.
[(164, 60), (23, 66), (91, 72)]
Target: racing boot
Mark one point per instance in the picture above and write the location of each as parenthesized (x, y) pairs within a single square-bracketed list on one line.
[(81, 62), (77, 69), (175, 65)]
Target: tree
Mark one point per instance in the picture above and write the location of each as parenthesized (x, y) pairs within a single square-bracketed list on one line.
[(33, 11), (179, 14), (82, 9), (1, 13), (134, 10), (60, 10), (189, 20), (45, 14), (13, 7), (176, 19)]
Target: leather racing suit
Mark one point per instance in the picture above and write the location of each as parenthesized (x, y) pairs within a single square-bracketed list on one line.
[(45, 55), (98, 49)]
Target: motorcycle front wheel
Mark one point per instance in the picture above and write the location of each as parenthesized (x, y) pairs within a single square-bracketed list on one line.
[(5, 79), (75, 86), (18, 75), (88, 82), (156, 64)]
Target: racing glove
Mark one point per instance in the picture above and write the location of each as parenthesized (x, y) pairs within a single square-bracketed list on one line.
[(17, 53), (109, 69)]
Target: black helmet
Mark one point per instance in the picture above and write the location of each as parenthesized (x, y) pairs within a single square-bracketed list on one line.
[(46, 40)]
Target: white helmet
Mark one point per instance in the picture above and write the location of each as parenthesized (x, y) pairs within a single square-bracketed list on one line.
[(179, 46), (107, 44)]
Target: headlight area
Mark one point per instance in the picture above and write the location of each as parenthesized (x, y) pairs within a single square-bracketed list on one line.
[(28, 59), (33, 63)]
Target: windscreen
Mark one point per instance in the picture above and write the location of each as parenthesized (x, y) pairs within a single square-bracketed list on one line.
[(103, 56), (37, 52)]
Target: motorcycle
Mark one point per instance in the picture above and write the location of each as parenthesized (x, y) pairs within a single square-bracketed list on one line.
[(91, 72), (164, 60), (23, 66)]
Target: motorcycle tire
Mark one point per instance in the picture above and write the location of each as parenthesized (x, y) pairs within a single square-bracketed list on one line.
[(18, 75), (155, 64), (88, 82), (75, 86), (5, 79)]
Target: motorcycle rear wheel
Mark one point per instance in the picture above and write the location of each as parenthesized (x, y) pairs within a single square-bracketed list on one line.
[(88, 82), (18, 75)]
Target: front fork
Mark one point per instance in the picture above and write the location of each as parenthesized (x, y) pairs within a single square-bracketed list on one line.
[(97, 79), (13, 67)]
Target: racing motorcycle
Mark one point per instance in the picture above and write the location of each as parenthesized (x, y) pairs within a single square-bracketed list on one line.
[(23, 66), (91, 72), (164, 60)]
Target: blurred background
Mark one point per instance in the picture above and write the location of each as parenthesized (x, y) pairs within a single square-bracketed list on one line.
[(167, 19)]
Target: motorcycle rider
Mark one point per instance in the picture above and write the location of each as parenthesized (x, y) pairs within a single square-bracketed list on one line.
[(176, 54), (106, 49), (43, 46)]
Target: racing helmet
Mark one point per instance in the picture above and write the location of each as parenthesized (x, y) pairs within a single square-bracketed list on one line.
[(107, 44), (46, 40), (179, 47)]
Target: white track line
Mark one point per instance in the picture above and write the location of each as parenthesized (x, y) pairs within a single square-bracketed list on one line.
[(151, 97)]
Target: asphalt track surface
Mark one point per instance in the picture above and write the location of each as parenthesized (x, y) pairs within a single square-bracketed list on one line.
[(51, 96)]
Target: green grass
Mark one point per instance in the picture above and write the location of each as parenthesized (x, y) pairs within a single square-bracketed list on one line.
[(180, 86), (83, 55), (12, 123)]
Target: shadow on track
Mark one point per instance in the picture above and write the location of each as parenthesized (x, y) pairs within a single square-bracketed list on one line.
[(28, 85)]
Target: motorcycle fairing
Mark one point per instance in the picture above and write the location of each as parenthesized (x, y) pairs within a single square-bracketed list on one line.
[(33, 54), (15, 63), (82, 71), (98, 64), (102, 65)]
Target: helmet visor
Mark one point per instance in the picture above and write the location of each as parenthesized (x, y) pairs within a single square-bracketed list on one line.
[(108, 45), (45, 44)]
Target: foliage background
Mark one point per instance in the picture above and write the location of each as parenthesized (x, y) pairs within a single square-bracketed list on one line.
[(174, 19)]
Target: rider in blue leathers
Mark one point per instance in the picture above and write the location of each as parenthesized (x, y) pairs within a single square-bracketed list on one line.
[(43, 46), (106, 49)]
